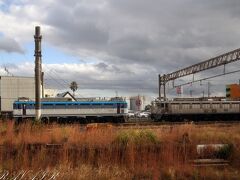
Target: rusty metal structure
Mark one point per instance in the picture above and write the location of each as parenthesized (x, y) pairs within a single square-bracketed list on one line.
[(220, 60), (38, 73)]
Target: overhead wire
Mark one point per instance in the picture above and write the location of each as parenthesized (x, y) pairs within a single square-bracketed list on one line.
[(203, 79), (65, 84), (52, 71)]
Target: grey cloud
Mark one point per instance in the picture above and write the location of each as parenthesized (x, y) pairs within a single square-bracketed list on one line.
[(157, 33), (128, 36), (102, 66), (76, 26), (10, 45), (103, 76)]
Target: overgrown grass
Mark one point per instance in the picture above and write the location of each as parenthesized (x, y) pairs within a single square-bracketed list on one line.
[(137, 137), (109, 152)]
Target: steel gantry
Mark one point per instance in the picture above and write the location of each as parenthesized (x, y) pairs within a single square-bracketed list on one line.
[(223, 59)]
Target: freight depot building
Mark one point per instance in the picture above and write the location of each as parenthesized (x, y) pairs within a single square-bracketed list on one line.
[(12, 88)]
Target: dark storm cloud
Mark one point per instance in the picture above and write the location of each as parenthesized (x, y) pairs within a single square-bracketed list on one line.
[(131, 41), (77, 26), (160, 35), (10, 45), (147, 32)]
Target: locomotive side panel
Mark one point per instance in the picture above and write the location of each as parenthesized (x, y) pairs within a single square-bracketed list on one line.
[(72, 109), (195, 109)]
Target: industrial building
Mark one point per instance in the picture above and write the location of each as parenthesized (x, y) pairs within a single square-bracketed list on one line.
[(12, 88), (50, 93), (233, 91)]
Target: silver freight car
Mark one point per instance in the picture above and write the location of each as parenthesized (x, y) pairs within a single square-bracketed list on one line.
[(195, 110)]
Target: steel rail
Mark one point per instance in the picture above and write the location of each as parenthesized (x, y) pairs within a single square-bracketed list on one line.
[(151, 124)]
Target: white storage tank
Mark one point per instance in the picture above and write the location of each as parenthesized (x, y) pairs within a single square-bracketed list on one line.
[(137, 103)]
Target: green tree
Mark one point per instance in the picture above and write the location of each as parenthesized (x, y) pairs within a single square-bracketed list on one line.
[(148, 107), (73, 86)]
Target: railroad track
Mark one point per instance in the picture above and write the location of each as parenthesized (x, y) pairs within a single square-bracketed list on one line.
[(141, 124)]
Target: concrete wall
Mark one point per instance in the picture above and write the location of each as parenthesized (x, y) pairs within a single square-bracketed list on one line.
[(11, 88)]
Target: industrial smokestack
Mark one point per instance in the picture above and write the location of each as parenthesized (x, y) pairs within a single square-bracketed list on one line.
[(38, 72)]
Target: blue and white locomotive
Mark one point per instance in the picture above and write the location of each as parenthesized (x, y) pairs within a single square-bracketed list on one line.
[(82, 111)]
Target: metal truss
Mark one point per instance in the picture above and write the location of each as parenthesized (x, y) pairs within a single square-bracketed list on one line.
[(203, 79), (223, 59), (208, 64)]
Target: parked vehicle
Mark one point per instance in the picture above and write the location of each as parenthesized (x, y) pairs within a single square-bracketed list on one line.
[(143, 114), (131, 114)]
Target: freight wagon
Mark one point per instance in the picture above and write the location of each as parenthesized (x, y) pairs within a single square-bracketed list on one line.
[(195, 110)]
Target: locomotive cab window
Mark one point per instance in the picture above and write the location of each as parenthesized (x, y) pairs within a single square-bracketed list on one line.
[(15, 106)]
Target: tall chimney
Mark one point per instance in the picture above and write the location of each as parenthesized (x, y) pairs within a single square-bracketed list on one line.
[(38, 72)]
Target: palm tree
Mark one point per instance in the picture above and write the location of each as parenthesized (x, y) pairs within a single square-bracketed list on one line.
[(73, 86)]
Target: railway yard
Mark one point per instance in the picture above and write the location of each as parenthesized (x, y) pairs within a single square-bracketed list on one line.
[(70, 137), (128, 151)]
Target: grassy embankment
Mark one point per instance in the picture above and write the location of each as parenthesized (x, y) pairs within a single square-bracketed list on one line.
[(107, 152)]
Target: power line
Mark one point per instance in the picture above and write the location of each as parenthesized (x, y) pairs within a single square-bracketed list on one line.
[(52, 71), (55, 80), (55, 74), (64, 82), (211, 77)]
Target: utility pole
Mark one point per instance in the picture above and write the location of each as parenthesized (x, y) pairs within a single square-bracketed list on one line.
[(190, 91), (162, 82), (159, 87), (164, 87), (38, 72), (209, 89)]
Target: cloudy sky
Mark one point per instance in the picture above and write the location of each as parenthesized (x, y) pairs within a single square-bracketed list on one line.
[(119, 45)]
